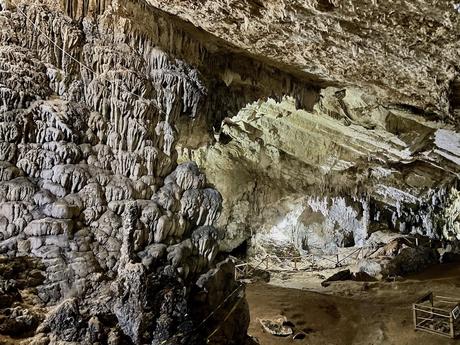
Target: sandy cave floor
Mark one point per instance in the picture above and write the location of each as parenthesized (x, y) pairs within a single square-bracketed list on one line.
[(360, 313)]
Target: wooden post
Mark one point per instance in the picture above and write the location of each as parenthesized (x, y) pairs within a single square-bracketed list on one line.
[(266, 263), (451, 324), (415, 316)]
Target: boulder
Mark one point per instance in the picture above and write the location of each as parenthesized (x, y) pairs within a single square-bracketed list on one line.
[(339, 276), (276, 326)]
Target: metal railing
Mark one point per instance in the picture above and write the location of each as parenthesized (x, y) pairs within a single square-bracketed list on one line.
[(308, 262)]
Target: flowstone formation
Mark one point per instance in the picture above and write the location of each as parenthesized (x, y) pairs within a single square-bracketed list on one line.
[(104, 239), (315, 126)]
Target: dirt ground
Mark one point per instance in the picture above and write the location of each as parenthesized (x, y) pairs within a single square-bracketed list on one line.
[(355, 313)]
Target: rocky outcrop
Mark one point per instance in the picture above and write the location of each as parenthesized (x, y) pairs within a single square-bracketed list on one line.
[(396, 255)]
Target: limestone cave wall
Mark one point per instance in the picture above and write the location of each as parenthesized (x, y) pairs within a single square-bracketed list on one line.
[(140, 141), (104, 238), (328, 178)]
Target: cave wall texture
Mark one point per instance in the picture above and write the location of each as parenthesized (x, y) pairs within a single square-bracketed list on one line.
[(166, 133), (379, 150), (104, 238)]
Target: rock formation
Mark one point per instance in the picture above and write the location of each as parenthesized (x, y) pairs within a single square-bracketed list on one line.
[(313, 124), (379, 147), (115, 238), (404, 52), (360, 167)]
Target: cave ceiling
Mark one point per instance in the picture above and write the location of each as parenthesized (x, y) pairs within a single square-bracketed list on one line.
[(406, 52)]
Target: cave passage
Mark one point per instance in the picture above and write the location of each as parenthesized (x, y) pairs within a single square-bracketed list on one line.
[(228, 172)]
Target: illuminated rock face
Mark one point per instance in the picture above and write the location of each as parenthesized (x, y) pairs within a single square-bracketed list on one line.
[(115, 238), (382, 133), (328, 178)]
